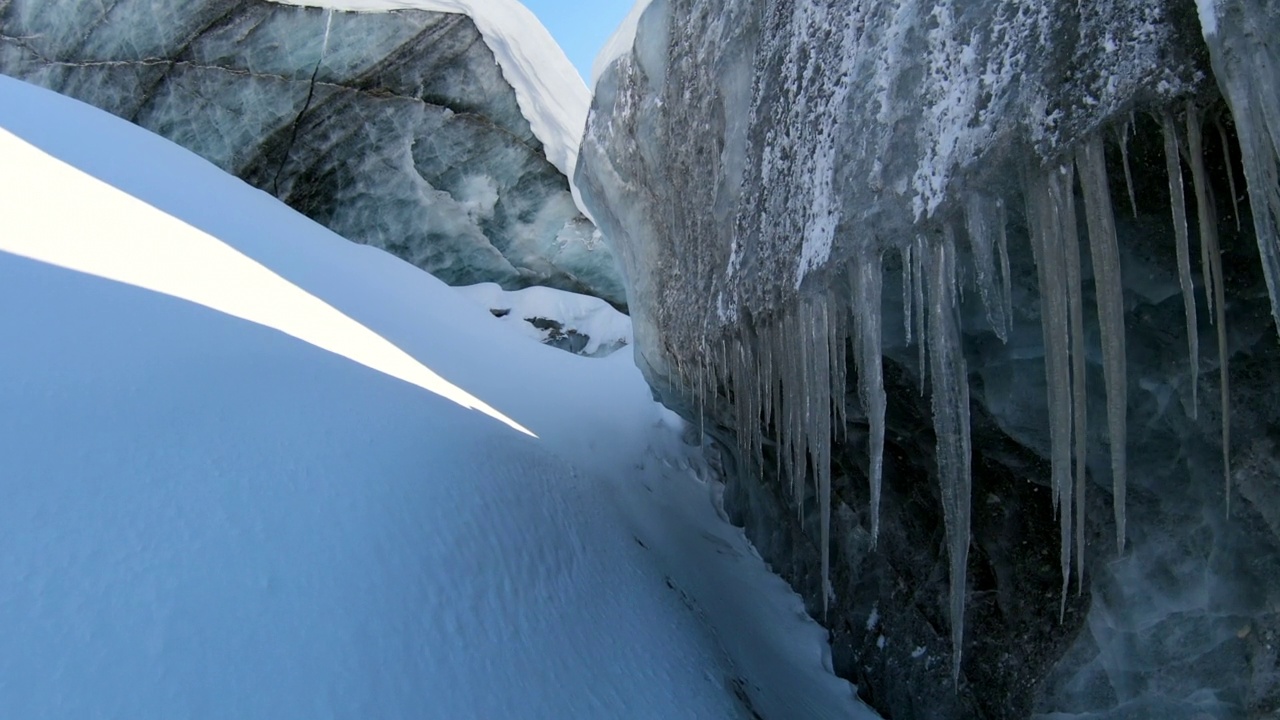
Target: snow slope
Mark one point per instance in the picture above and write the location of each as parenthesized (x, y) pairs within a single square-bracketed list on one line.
[(216, 510), (549, 90)]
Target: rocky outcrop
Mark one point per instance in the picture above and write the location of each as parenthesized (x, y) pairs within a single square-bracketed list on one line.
[(919, 270), (394, 129)]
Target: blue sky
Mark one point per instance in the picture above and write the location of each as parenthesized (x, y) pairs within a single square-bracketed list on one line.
[(580, 27)]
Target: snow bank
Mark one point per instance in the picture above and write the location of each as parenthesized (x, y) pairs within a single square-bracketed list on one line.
[(551, 93), (211, 517)]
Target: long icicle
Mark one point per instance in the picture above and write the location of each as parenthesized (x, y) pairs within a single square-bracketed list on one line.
[(1231, 172), (867, 281), (837, 332), (1002, 247), (922, 345), (1079, 398), (1105, 251), (950, 383), (1208, 223), (908, 289), (1125, 128), (1173, 168), (818, 390), (1046, 247)]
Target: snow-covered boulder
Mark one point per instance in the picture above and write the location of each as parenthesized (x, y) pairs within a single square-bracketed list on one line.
[(415, 127), (579, 324)]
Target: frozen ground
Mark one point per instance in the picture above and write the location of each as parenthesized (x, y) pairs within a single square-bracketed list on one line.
[(240, 480)]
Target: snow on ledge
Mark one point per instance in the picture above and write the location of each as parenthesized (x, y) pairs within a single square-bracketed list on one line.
[(620, 42), (551, 94)]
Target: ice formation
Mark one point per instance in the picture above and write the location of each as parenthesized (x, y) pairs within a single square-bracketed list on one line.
[(1246, 62), (469, 118), (551, 94), (1173, 168), (1106, 273), (823, 135), (951, 425)]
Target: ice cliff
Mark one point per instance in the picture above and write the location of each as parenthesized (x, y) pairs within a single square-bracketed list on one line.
[(975, 300), (441, 136)]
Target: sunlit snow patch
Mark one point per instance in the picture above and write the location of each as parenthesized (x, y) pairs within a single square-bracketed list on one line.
[(56, 214)]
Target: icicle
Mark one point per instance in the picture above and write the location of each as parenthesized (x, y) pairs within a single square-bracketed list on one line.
[(795, 400), (1002, 247), (981, 217), (837, 332), (1208, 224), (820, 438), (1046, 245), (1110, 300), (1231, 172), (866, 286), (908, 289), (1244, 66), (1124, 155), (1179, 201), (1075, 304), (781, 417), (1049, 198), (917, 271), (951, 427)]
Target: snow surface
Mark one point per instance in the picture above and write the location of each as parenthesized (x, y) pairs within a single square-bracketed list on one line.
[(216, 509), (549, 90)]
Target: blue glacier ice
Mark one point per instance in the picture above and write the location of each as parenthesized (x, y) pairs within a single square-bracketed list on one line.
[(396, 129)]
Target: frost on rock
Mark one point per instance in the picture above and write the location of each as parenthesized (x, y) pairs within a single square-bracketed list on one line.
[(749, 160)]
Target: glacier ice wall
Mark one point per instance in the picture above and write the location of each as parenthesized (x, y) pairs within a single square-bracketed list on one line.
[(985, 211), (395, 129)]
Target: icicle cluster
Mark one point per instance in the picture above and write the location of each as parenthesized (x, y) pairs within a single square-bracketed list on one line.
[(784, 140), (782, 379), (1211, 257), (798, 390), (795, 392), (1051, 219)]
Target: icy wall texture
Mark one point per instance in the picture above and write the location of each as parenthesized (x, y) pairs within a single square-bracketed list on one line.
[(973, 297), (394, 129)]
